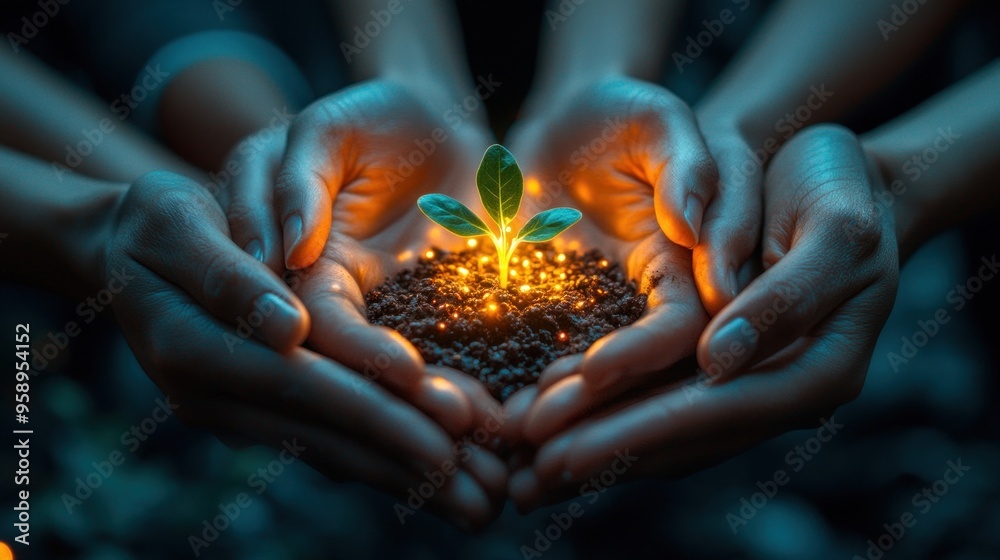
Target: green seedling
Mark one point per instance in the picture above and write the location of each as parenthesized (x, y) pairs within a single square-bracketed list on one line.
[(500, 187)]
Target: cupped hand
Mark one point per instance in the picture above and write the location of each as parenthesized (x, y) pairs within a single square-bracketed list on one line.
[(790, 348), (219, 333), (334, 200), (629, 156)]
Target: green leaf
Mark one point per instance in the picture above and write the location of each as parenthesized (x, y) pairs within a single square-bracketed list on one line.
[(500, 184), (548, 224), (452, 215)]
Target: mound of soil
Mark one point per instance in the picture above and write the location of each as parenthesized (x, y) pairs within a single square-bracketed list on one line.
[(451, 307)]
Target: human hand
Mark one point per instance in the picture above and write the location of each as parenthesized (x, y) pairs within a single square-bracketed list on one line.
[(343, 185), (784, 354), (628, 155), (184, 285)]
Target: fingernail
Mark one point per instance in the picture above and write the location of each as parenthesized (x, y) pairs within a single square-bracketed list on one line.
[(731, 347), (292, 230), (281, 321), (255, 249), (693, 210), (734, 285)]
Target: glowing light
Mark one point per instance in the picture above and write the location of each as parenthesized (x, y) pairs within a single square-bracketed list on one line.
[(538, 254), (463, 271), (472, 243), (562, 336), (525, 287), (513, 274), (525, 263), (579, 304), (507, 229), (562, 275), (604, 263), (404, 256), (561, 258), (454, 315), (429, 254), (442, 326), (516, 260), (542, 275), (493, 307), (484, 260), (533, 186), (558, 287), (465, 289)]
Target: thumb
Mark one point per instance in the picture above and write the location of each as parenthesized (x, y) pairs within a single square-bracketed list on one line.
[(685, 181), (198, 255)]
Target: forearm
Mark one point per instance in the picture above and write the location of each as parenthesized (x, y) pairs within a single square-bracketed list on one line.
[(53, 231), (420, 45), (50, 118), (601, 38), (812, 61), (940, 161)]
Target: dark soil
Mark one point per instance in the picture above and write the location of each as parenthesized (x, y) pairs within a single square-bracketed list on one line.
[(451, 307)]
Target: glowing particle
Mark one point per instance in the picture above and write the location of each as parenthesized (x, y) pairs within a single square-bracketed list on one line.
[(442, 326), (561, 258), (513, 274), (493, 307), (516, 260), (538, 254), (525, 287), (604, 263), (429, 254), (484, 260), (463, 271), (542, 275), (507, 229), (465, 289), (579, 304), (525, 263), (562, 275), (454, 315), (563, 336), (558, 287), (472, 243)]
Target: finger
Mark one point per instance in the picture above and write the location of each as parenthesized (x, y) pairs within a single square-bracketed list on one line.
[(250, 209), (559, 370), (486, 412), (515, 410), (196, 254), (445, 402), (342, 331), (460, 497), (308, 180), (489, 472), (667, 332), (685, 179), (731, 228)]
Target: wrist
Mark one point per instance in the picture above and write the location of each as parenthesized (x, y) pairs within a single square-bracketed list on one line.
[(905, 208)]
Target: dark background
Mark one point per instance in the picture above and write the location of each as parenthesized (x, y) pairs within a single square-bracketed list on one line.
[(897, 437)]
